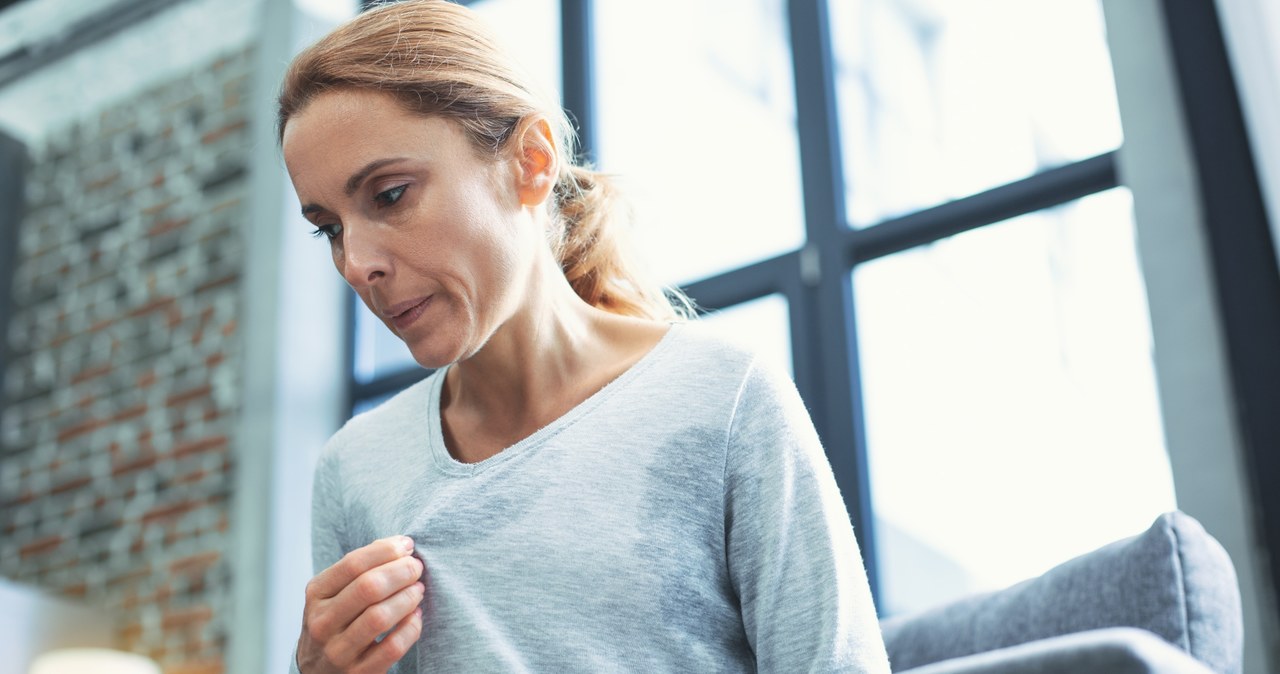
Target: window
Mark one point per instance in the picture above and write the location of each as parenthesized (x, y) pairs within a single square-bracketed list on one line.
[(702, 130), (1011, 415), (914, 207)]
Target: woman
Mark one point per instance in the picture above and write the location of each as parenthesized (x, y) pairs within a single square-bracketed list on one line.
[(585, 483)]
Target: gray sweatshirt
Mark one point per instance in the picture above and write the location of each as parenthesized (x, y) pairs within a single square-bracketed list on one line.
[(682, 519)]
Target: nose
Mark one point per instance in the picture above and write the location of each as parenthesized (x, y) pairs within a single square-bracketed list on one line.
[(363, 258)]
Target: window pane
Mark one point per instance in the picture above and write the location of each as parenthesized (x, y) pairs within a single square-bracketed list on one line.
[(763, 325), (940, 100), (378, 352), (1011, 410), (697, 118), (530, 32)]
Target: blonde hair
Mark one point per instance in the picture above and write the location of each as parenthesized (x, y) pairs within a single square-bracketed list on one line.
[(437, 59)]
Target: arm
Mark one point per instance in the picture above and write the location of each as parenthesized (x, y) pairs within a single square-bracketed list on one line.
[(793, 560), (328, 529), (357, 596)]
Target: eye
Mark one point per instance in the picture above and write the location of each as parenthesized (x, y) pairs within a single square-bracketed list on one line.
[(330, 232), (391, 196)]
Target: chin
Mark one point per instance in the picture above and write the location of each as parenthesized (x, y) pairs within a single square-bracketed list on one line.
[(432, 359), (435, 350)]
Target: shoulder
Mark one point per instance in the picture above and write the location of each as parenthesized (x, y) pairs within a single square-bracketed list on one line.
[(385, 426), (696, 347), (755, 379), (708, 376)]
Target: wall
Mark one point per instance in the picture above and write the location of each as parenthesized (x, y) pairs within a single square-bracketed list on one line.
[(1196, 398), (294, 388), (122, 391), (1252, 30), (186, 35), (279, 385)]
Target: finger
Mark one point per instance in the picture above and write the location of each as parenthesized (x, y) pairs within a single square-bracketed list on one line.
[(331, 581), (371, 587), (382, 617), (387, 652)]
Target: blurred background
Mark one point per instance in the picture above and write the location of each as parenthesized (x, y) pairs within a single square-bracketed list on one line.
[(1019, 257)]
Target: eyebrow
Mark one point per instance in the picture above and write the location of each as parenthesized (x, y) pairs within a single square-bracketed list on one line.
[(353, 183)]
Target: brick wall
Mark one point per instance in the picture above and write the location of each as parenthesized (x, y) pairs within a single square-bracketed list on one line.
[(120, 399)]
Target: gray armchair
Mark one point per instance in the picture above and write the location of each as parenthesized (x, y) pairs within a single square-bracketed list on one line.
[(1163, 601)]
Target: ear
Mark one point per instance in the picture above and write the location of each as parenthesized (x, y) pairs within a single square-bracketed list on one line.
[(537, 160)]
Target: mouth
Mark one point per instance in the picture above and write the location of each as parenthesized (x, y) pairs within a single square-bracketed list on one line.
[(406, 313)]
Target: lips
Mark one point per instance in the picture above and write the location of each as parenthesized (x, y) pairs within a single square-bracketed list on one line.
[(403, 314)]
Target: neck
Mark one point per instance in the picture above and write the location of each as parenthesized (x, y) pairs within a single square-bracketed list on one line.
[(539, 360)]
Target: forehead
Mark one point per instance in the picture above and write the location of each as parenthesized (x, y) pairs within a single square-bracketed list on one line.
[(343, 128), (340, 119)]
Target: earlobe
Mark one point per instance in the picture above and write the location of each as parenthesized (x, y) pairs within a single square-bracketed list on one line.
[(538, 160)]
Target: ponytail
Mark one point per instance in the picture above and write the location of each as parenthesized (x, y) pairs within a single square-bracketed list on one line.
[(592, 247)]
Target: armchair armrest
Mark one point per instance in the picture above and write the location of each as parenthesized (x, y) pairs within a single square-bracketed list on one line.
[(1114, 650)]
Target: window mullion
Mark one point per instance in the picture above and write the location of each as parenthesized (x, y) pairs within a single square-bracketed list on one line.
[(825, 328), (577, 62)]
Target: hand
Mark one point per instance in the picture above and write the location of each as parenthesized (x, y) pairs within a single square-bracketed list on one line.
[(371, 590)]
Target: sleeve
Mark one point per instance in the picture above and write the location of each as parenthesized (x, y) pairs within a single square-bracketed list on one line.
[(793, 560), (328, 521), (328, 514)]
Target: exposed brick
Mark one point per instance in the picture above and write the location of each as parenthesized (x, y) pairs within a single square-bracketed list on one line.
[(102, 182), (194, 564), (194, 476), (154, 305), (131, 576), (77, 430), (40, 546), (146, 379), (131, 633), (189, 395), (218, 282), (170, 511), (129, 413), (214, 666), (156, 208), (186, 617), (24, 497), (202, 445), (139, 463), (167, 225), (71, 485), (90, 373), (117, 278), (222, 132)]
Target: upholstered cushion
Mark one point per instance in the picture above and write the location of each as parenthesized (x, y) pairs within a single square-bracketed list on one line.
[(1112, 650), (1174, 580)]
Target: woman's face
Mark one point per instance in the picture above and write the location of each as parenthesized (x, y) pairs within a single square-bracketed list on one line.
[(433, 237)]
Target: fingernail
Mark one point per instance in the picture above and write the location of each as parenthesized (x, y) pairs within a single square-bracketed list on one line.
[(406, 544)]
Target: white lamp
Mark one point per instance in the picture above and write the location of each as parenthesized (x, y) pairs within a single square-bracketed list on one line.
[(92, 661)]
